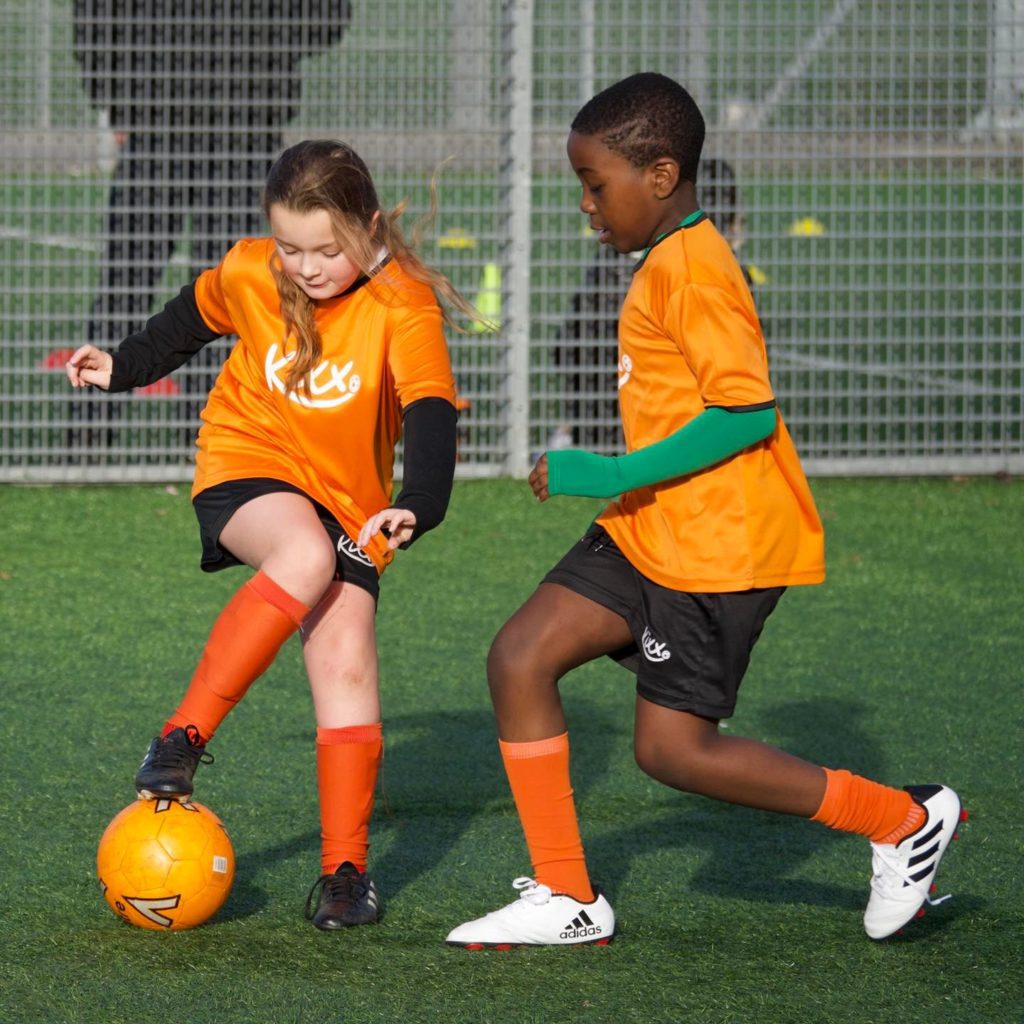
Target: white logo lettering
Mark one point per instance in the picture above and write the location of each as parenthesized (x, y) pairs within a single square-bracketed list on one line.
[(339, 386), (625, 369), (350, 548), (654, 649)]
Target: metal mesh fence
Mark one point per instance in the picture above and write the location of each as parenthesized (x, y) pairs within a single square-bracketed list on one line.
[(864, 157)]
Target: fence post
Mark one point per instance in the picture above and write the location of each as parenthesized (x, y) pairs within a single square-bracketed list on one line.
[(514, 185)]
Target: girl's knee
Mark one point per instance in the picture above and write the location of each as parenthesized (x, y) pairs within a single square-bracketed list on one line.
[(305, 567)]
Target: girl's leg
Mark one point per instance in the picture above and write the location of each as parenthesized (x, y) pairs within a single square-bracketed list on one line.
[(281, 536), (339, 646), (341, 659), (553, 632)]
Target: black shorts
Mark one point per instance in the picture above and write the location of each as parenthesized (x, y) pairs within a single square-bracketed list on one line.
[(689, 651), (216, 505)]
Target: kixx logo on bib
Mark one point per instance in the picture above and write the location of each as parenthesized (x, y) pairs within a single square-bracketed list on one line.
[(328, 385), (625, 370)]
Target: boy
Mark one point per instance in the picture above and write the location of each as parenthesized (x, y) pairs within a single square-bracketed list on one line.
[(586, 352), (676, 578)]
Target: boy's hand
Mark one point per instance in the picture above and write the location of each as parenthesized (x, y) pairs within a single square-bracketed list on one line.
[(539, 478), (399, 524), (88, 366)]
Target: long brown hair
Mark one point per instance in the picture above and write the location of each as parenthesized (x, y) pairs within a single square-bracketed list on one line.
[(323, 174)]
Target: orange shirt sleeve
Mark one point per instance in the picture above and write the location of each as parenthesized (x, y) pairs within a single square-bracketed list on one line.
[(722, 345), (211, 300), (418, 356)]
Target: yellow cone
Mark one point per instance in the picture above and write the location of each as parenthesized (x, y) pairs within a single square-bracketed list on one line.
[(757, 275), (488, 300), (807, 227), (456, 238)]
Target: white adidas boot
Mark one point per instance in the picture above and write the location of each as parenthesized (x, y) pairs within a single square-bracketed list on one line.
[(539, 918), (902, 873)]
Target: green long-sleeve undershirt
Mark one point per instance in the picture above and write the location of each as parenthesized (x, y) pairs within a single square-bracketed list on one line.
[(712, 436)]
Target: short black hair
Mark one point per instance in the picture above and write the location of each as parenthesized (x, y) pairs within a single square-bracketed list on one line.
[(644, 117)]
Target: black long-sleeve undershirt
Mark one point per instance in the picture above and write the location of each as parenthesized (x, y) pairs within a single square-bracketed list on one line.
[(175, 334), (169, 339), (429, 427)]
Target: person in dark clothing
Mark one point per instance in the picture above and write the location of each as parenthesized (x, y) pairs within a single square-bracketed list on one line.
[(197, 93), (587, 350)]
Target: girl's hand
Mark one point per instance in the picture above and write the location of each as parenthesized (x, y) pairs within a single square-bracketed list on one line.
[(89, 366), (399, 523), (539, 479)]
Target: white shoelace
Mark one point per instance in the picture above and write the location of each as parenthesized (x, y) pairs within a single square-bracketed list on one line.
[(890, 873), (531, 890)]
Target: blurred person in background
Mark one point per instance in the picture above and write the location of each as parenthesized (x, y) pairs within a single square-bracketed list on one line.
[(197, 94)]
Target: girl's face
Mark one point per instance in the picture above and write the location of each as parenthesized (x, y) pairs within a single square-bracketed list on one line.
[(309, 253)]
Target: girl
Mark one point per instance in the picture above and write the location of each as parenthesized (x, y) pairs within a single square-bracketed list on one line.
[(341, 349)]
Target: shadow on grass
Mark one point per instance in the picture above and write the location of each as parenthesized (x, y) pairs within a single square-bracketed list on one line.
[(246, 897), (443, 770)]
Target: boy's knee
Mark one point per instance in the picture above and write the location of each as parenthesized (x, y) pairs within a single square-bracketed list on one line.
[(512, 661), (501, 660), (646, 758), (675, 767)]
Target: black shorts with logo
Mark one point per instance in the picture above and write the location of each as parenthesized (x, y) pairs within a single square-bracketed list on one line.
[(689, 651), (217, 504)]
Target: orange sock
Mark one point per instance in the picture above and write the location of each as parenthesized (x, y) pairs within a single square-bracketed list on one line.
[(538, 773), (347, 762), (855, 804), (244, 641)]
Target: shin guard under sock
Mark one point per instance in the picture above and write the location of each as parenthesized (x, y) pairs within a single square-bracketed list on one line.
[(347, 763), (538, 773), (855, 804), (244, 641)]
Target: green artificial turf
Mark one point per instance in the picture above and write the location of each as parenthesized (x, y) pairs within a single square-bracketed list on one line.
[(905, 666)]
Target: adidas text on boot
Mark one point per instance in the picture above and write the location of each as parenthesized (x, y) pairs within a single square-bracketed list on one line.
[(903, 873), (539, 918)]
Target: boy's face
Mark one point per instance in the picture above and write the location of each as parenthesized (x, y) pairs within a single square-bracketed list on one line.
[(626, 205)]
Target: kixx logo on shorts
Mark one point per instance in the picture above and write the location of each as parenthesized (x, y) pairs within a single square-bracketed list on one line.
[(654, 649), (328, 386), (350, 548)]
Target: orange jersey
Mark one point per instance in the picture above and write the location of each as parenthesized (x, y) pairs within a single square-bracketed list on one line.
[(689, 339), (383, 348)]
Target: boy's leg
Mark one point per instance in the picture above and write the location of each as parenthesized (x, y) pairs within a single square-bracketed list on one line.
[(689, 753), (909, 828), (339, 647), (555, 631)]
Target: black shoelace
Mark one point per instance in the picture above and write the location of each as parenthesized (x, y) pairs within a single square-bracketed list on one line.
[(347, 888), (179, 755)]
